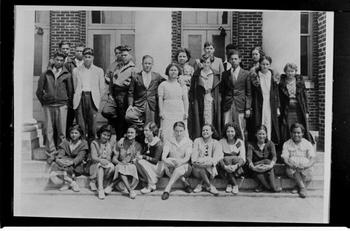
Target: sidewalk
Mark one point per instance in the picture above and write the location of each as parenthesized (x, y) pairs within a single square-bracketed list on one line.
[(196, 208)]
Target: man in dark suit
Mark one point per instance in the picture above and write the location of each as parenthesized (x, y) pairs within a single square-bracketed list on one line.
[(236, 93), (143, 95)]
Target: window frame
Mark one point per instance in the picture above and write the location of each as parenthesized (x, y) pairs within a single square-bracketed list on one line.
[(125, 26), (309, 39)]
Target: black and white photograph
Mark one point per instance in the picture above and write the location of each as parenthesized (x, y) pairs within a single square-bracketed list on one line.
[(179, 114)]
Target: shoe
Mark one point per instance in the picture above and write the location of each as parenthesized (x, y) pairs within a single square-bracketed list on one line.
[(295, 191), (75, 186), (132, 194), (228, 188), (93, 186), (213, 190), (259, 189), (302, 193), (188, 189), (146, 190), (108, 189), (165, 196), (235, 189), (277, 190), (101, 194), (198, 188), (64, 187)]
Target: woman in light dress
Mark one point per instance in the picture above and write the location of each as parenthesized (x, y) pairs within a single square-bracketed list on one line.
[(173, 102)]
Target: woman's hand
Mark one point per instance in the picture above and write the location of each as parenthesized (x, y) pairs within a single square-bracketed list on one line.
[(278, 112), (104, 162), (185, 116)]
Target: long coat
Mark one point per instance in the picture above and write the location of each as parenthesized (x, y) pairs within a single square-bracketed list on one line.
[(257, 105), (196, 104), (284, 101)]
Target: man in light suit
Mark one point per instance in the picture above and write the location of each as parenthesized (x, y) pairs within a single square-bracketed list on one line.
[(143, 94), (236, 93), (89, 86)]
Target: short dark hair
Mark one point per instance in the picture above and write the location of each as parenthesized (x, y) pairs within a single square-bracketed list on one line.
[(153, 127), (179, 124), (75, 127), (234, 52), (261, 127), (63, 43), (215, 133), (234, 126), (104, 128), (117, 48), (297, 125), (59, 53), (265, 57), (173, 65), (207, 44), (147, 56), (230, 46), (80, 45), (183, 50)]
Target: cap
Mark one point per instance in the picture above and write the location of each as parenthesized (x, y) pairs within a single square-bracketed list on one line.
[(88, 51)]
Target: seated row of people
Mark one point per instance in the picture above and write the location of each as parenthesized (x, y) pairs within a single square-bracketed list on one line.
[(123, 164)]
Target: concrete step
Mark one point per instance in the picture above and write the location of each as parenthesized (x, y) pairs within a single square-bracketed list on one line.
[(40, 166), (35, 180), (177, 193), (34, 166)]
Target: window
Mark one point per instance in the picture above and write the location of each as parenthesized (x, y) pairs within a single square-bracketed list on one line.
[(306, 44), (209, 18), (113, 17)]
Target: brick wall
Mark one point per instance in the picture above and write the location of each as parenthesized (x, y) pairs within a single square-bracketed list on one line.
[(321, 74), (176, 32), (247, 33), (312, 93), (67, 25)]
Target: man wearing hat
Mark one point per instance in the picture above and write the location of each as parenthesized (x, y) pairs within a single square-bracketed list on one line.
[(119, 87), (89, 86)]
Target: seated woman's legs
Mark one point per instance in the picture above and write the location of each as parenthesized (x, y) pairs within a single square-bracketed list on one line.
[(178, 172), (272, 180)]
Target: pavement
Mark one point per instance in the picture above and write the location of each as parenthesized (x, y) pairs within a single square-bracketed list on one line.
[(188, 208)]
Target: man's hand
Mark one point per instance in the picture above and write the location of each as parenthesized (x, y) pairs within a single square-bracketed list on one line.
[(247, 113)]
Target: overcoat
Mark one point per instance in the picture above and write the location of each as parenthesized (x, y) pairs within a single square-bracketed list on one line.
[(302, 106), (257, 105), (196, 104)]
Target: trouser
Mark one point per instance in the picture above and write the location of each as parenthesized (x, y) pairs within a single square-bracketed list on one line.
[(140, 115), (70, 119), (86, 116), (238, 119), (120, 97), (55, 121)]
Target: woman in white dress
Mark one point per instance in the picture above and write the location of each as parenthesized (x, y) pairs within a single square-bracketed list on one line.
[(265, 99), (173, 102)]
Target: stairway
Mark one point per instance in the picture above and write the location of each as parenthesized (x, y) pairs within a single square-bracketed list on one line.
[(35, 181)]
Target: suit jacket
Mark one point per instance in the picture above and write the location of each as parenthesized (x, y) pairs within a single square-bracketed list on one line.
[(236, 91), (97, 85), (139, 95)]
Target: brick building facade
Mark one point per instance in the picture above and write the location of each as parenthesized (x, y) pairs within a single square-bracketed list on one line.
[(246, 30)]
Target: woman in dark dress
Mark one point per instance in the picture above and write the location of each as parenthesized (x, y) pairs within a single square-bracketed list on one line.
[(293, 99), (148, 165), (261, 158)]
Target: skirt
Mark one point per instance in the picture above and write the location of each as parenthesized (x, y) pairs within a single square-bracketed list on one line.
[(152, 171), (127, 169), (108, 169), (294, 113)]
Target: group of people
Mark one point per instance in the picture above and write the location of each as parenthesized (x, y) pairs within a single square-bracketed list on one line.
[(223, 108)]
